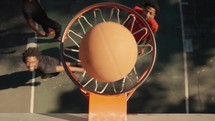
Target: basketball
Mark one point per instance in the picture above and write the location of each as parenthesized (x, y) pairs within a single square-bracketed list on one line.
[(108, 52)]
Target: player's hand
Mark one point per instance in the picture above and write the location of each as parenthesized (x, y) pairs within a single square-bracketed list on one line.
[(51, 32), (41, 33), (141, 51)]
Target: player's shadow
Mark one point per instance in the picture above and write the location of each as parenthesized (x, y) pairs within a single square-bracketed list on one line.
[(16, 79), (72, 102), (46, 40), (7, 52)]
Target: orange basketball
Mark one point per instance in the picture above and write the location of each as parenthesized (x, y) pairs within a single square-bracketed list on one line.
[(108, 52)]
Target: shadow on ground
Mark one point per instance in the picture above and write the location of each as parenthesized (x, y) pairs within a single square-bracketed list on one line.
[(16, 79), (72, 102)]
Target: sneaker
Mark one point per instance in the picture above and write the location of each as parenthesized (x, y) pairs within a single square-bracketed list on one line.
[(51, 75), (43, 77), (58, 38)]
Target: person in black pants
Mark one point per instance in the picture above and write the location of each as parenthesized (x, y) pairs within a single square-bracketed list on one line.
[(34, 12)]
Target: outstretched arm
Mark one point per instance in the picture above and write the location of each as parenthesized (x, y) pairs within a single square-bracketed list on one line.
[(72, 68)]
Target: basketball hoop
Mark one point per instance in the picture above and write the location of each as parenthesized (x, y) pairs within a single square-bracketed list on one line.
[(86, 19)]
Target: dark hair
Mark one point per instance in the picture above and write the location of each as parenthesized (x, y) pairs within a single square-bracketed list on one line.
[(31, 51), (152, 4)]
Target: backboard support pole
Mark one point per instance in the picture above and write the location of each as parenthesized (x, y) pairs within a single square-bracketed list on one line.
[(107, 107)]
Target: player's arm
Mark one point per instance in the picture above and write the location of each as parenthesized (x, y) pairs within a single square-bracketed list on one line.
[(72, 68), (32, 25)]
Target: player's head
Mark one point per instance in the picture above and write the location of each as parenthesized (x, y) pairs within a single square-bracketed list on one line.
[(31, 58), (151, 8)]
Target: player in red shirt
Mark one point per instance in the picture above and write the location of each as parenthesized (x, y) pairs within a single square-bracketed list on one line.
[(148, 12)]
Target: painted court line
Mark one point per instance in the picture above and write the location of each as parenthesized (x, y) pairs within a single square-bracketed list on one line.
[(32, 42), (186, 82), (32, 93)]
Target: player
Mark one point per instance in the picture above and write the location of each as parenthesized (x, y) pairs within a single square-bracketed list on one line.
[(47, 66), (148, 12), (33, 12)]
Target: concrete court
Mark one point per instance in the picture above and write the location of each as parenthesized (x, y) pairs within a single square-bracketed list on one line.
[(164, 92), (83, 117)]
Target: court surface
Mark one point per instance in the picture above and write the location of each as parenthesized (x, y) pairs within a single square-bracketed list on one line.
[(182, 80), (83, 117)]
